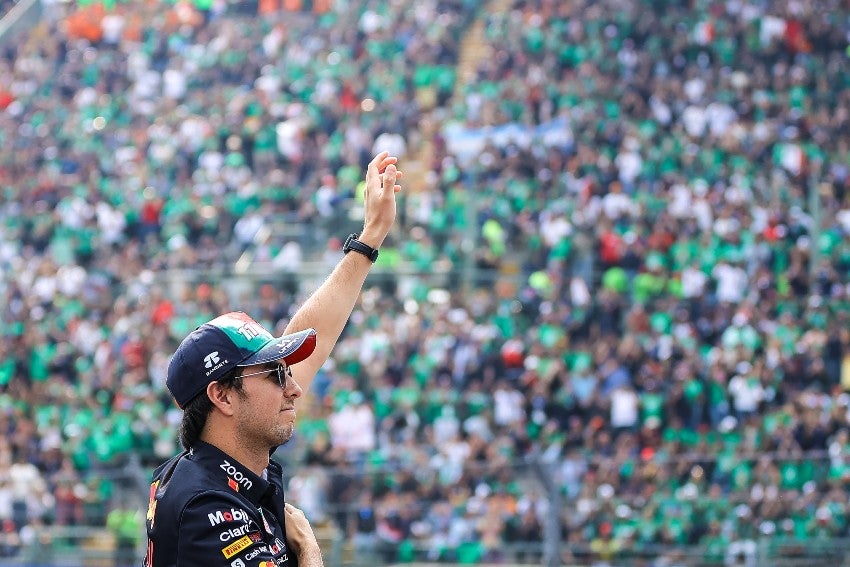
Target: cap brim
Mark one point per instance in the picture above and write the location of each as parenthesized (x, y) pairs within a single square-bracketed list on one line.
[(292, 348)]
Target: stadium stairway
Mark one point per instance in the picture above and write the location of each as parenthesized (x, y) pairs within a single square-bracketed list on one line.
[(474, 47), (473, 50)]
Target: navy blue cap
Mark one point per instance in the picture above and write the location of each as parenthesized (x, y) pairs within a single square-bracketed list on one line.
[(229, 341)]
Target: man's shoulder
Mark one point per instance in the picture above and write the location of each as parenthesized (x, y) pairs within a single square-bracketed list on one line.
[(182, 480)]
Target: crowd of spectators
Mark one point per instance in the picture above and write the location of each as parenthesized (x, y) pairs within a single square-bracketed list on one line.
[(657, 330)]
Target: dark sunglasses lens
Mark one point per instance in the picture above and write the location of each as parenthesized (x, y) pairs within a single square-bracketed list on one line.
[(283, 372)]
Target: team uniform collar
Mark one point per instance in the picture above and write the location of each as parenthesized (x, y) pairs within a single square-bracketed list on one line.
[(232, 474)]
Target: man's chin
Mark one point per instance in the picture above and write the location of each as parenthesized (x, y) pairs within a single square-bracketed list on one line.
[(283, 437)]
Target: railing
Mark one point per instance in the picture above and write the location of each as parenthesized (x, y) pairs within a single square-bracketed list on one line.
[(96, 547), (68, 546), (310, 274)]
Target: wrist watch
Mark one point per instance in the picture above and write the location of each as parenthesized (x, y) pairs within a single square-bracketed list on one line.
[(351, 243)]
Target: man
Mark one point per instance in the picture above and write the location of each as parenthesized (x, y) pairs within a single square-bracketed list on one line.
[(221, 502)]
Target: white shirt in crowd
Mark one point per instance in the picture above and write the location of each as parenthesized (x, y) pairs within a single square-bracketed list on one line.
[(554, 227), (693, 282), (731, 282), (352, 428), (624, 407), (508, 405), (616, 205), (747, 393)]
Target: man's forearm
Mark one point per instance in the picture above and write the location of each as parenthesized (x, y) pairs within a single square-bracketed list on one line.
[(310, 557), (330, 306), (328, 309)]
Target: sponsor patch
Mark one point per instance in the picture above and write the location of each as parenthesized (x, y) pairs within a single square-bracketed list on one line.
[(152, 503), (231, 533), (252, 554), (232, 484), (235, 474), (212, 358), (232, 515), (237, 546)]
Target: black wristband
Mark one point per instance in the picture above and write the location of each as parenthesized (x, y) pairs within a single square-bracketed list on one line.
[(351, 243)]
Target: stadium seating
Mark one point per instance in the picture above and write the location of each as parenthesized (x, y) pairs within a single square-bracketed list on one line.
[(616, 301)]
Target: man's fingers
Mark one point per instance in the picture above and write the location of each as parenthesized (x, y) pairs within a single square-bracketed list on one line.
[(385, 165), (378, 161), (390, 176), (382, 166), (290, 509), (390, 173), (379, 158)]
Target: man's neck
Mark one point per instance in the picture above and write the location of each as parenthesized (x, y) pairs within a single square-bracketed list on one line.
[(255, 459)]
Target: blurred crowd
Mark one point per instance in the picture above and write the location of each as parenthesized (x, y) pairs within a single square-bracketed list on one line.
[(654, 195)]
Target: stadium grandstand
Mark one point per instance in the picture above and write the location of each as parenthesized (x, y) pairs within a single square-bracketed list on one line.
[(611, 326)]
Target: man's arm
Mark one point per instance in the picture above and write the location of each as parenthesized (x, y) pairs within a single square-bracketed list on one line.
[(330, 306)]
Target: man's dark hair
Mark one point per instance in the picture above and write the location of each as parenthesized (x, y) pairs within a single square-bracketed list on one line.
[(197, 411)]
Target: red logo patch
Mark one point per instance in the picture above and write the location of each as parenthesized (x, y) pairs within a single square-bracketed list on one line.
[(233, 484)]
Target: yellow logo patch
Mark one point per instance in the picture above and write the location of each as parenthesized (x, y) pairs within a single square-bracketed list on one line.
[(237, 546), (152, 503)]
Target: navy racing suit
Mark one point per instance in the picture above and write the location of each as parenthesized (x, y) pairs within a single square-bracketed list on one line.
[(208, 510)]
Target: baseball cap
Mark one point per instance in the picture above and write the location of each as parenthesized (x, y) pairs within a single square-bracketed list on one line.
[(228, 341)]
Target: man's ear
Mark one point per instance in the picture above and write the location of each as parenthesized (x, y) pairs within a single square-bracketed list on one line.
[(221, 397)]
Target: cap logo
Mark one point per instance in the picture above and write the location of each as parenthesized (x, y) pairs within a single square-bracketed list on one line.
[(250, 330), (284, 345), (211, 359), (213, 362)]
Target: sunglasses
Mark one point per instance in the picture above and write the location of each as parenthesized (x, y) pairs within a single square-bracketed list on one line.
[(282, 371)]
